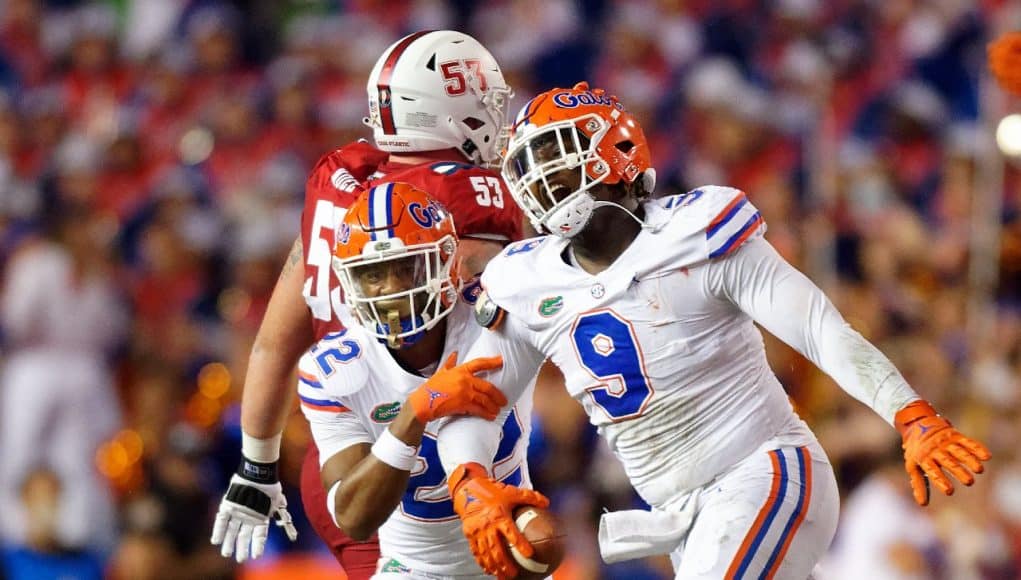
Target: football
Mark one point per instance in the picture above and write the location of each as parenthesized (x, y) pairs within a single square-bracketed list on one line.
[(542, 530)]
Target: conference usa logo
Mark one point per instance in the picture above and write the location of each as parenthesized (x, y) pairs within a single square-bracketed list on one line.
[(428, 215), (569, 100)]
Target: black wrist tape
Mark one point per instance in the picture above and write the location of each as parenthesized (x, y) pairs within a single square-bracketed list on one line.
[(258, 472)]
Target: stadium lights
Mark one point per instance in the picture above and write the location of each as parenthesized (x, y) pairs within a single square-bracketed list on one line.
[(1008, 135)]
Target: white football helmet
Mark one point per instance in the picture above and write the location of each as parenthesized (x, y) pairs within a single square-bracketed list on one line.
[(439, 89)]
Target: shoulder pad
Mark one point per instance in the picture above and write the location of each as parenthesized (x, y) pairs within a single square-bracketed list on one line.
[(313, 396), (730, 218), (345, 169), (508, 275), (339, 362), (523, 246)]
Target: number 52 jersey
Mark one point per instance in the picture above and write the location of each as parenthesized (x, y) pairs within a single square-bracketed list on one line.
[(350, 388)]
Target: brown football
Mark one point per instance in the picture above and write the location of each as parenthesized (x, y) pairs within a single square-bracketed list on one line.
[(542, 530)]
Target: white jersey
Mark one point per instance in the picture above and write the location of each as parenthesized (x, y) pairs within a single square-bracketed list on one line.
[(661, 347), (350, 388)]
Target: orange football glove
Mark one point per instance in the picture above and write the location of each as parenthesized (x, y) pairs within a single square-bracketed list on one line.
[(486, 507), (931, 444), (455, 390)]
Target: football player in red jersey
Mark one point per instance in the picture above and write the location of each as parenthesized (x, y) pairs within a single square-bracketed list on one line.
[(437, 109)]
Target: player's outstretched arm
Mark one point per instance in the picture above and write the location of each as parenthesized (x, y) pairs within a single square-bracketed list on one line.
[(790, 306), (255, 494)]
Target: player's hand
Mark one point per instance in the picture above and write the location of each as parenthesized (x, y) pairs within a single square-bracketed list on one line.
[(931, 445), (455, 390), (486, 507), (242, 522)]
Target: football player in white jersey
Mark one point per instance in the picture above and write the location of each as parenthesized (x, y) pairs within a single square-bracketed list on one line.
[(648, 308), (371, 392)]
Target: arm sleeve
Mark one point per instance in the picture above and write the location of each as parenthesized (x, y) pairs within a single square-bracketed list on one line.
[(463, 439), (787, 304)]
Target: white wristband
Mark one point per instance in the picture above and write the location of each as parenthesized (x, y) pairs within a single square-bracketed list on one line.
[(260, 450), (331, 502), (394, 452)]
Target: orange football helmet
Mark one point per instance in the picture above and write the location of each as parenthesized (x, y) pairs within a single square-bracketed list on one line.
[(572, 129), (394, 255)]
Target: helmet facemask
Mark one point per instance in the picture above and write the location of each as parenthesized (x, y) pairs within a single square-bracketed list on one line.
[(426, 293), (530, 166), (484, 139)]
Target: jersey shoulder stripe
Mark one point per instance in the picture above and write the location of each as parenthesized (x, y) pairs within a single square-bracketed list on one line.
[(730, 218), (309, 379), (727, 214), (327, 405), (750, 227)]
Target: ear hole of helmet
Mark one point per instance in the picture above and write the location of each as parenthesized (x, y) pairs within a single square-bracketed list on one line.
[(474, 124)]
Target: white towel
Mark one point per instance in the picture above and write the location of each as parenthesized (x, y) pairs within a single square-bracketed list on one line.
[(630, 534)]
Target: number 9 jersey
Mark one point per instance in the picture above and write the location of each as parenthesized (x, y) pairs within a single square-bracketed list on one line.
[(661, 348), (474, 195)]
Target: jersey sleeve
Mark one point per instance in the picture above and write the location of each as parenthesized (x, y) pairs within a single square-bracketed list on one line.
[(504, 283), (334, 424), (477, 198), (787, 304), (344, 170), (464, 439), (730, 218), (337, 178)]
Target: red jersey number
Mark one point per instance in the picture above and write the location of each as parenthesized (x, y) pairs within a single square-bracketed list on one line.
[(489, 191), (322, 301)]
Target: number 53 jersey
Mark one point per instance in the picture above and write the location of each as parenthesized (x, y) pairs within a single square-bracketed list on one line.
[(661, 348), (350, 388)]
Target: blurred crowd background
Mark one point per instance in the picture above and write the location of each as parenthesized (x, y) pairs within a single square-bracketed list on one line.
[(152, 160)]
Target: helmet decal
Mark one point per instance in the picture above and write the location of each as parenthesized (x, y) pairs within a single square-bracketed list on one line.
[(380, 206), (386, 114)]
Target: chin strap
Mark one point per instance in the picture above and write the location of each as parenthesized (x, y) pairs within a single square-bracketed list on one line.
[(644, 225), (648, 184)]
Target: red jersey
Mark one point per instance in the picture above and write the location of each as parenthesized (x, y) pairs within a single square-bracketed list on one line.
[(475, 196)]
